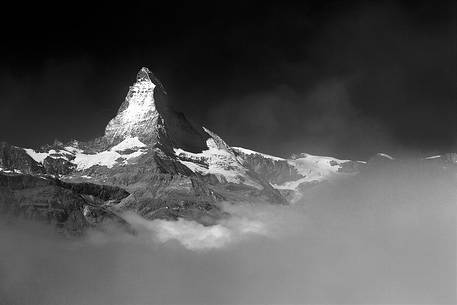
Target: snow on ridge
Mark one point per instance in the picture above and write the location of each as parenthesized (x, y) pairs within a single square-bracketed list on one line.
[(13, 171), (315, 157), (221, 163), (252, 152), (128, 143), (55, 154), (312, 168), (82, 160), (37, 156), (110, 157), (433, 157), (73, 150), (105, 158), (385, 156)]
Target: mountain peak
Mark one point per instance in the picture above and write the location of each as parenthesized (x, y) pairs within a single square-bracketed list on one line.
[(146, 115), (146, 76), (143, 75), (138, 114)]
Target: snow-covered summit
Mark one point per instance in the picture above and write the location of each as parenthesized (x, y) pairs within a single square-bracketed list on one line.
[(138, 115), (146, 115), (143, 75)]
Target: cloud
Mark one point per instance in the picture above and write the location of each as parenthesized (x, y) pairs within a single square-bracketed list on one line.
[(247, 221), (385, 236), (190, 234)]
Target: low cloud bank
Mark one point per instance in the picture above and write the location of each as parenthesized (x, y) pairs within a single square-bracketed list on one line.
[(247, 221), (387, 236)]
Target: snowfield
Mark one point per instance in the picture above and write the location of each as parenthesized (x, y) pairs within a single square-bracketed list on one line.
[(219, 162), (108, 158), (311, 167)]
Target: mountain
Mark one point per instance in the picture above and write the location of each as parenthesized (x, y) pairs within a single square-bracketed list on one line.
[(145, 115), (152, 161)]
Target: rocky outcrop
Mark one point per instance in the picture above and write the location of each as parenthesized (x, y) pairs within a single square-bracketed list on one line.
[(72, 208), (39, 199), (15, 158), (58, 166), (174, 196), (274, 171)]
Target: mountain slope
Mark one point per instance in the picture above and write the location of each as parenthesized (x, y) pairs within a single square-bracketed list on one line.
[(292, 176), (164, 167), (168, 167), (145, 115)]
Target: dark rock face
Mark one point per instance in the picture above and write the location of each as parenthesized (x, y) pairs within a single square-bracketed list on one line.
[(274, 171), (178, 131), (55, 202), (15, 158), (103, 192), (39, 199), (172, 196), (58, 166)]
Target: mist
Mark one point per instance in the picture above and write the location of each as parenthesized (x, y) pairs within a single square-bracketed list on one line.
[(386, 236)]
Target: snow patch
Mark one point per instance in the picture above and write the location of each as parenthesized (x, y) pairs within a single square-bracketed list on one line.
[(104, 158), (14, 171), (82, 160), (37, 156), (313, 169), (385, 156), (252, 152), (128, 143), (317, 165), (107, 158), (220, 162), (55, 154), (73, 150)]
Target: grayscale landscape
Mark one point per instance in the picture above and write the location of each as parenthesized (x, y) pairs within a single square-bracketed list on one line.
[(267, 154)]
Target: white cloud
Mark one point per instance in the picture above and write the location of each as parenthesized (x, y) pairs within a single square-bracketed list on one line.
[(246, 221)]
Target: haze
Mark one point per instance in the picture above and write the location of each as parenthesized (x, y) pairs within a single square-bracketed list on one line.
[(387, 236)]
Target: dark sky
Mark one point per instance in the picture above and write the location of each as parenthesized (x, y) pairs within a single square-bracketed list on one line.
[(338, 78)]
